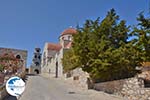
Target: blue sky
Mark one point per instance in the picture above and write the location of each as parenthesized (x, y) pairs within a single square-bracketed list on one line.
[(26, 24)]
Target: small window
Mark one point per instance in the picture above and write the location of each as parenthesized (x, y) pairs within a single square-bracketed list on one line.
[(38, 50), (69, 38), (35, 56), (76, 78), (68, 75), (147, 83), (18, 57), (39, 57), (37, 63)]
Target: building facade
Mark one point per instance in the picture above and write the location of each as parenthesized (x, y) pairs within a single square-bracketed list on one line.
[(53, 53)]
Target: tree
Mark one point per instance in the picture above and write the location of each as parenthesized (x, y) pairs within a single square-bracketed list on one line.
[(1, 67), (102, 49), (69, 60), (142, 34)]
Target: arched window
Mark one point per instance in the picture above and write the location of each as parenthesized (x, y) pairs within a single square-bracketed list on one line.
[(62, 38), (38, 50), (37, 63), (35, 56), (39, 57), (18, 57), (69, 38)]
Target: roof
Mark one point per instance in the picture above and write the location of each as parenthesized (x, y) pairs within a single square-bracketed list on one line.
[(9, 49), (53, 46), (69, 31)]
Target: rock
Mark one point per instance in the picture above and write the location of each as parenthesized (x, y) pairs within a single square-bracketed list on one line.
[(142, 91), (130, 91), (148, 98)]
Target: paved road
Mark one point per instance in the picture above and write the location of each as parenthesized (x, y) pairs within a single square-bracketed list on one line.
[(43, 88)]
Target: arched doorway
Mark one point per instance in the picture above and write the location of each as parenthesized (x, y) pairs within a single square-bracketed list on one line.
[(36, 71)]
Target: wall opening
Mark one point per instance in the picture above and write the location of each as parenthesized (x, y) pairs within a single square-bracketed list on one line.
[(37, 63), (147, 83), (18, 57), (36, 71), (56, 70)]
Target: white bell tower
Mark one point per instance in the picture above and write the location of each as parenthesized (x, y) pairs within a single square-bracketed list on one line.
[(36, 62)]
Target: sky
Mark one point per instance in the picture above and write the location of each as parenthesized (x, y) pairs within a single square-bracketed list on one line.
[(26, 24)]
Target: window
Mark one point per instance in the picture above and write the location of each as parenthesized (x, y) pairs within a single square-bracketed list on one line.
[(35, 56), (39, 57), (76, 78), (37, 63), (37, 50), (147, 83), (69, 38), (18, 57)]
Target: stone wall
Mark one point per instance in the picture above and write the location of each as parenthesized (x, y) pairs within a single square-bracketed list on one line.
[(3, 92), (131, 88), (22, 53), (78, 78), (110, 87), (2, 76)]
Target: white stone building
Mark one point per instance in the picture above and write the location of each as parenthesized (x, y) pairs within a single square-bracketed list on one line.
[(53, 53)]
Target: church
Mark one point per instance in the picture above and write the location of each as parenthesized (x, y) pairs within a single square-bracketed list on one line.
[(53, 53)]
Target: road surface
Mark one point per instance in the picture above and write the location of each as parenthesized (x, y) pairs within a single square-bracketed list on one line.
[(44, 88)]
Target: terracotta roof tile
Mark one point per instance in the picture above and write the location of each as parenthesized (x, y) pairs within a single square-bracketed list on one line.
[(53, 46), (69, 31)]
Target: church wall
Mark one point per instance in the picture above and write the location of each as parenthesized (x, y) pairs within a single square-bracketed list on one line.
[(43, 61), (50, 66), (60, 67), (46, 65)]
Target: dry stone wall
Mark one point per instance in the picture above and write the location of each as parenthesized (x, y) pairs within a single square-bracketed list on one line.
[(134, 89), (131, 88), (3, 92), (78, 78)]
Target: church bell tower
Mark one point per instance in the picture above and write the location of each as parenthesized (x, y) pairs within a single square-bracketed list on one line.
[(36, 62)]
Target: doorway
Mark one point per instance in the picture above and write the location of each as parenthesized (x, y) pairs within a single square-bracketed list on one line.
[(56, 70), (36, 71)]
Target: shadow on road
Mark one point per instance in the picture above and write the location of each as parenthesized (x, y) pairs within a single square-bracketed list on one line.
[(9, 97), (31, 74), (27, 76)]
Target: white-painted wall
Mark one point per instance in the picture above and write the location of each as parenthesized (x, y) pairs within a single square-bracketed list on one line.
[(56, 56)]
